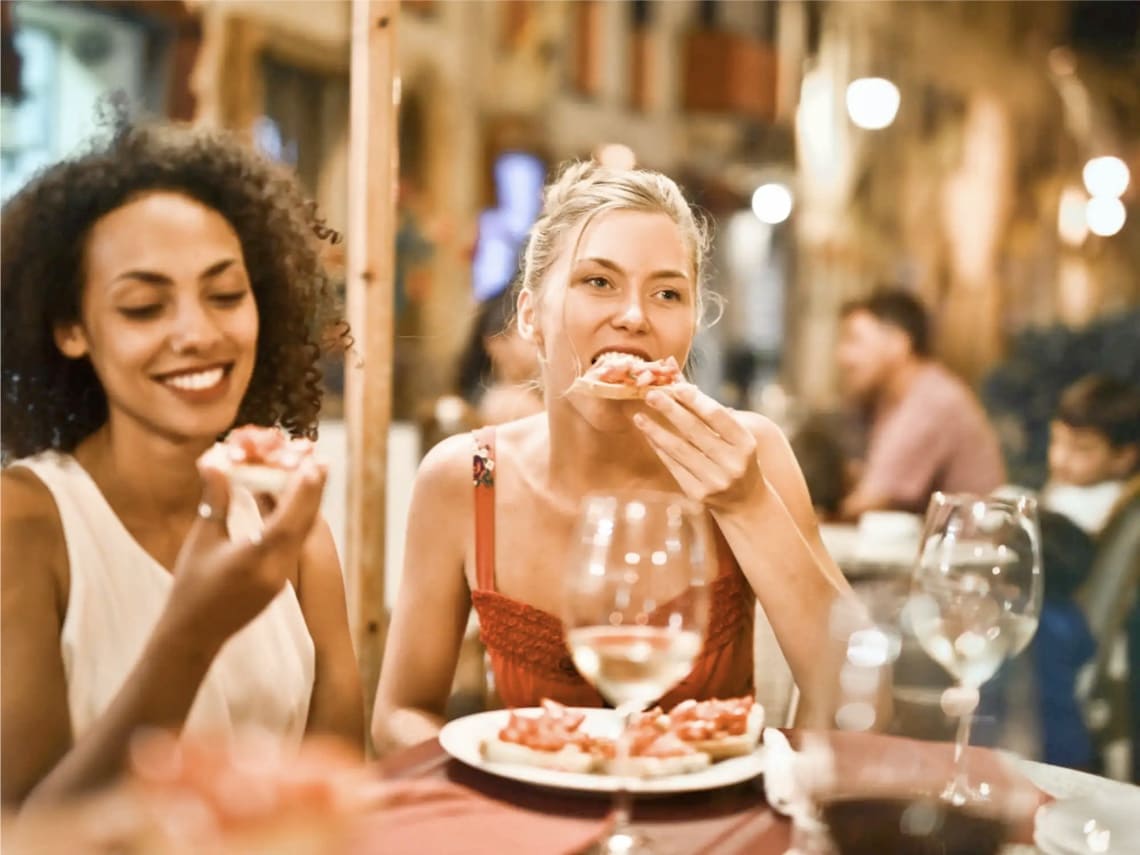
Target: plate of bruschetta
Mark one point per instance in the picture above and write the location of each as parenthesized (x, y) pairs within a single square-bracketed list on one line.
[(697, 745)]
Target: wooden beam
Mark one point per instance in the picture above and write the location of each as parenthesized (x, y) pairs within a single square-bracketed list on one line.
[(372, 176)]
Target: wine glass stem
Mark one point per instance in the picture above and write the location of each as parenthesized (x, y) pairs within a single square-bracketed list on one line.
[(623, 798), (960, 785)]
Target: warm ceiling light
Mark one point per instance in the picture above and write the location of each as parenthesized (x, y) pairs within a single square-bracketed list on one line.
[(872, 102), (1105, 215), (1106, 176), (772, 203)]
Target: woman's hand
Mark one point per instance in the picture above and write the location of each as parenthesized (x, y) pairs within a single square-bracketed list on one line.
[(709, 453), (221, 585)]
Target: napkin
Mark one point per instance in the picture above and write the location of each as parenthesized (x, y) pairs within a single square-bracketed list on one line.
[(442, 818)]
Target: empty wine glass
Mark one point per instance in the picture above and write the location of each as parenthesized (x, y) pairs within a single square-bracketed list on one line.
[(976, 597), (635, 609)]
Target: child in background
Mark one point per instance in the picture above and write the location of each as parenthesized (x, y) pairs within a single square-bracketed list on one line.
[(1094, 449), (1063, 643)]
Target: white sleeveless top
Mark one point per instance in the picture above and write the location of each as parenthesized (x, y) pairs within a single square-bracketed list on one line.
[(262, 677)]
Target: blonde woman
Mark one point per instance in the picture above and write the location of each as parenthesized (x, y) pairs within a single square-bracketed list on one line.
[(613, 263)]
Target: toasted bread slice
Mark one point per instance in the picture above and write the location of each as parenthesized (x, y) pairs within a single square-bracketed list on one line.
[(658, 767), (259, 479), (724, 747), (612, 391), (571, 758)]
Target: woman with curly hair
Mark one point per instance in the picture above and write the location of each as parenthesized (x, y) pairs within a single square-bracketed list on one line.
[(158, 289)]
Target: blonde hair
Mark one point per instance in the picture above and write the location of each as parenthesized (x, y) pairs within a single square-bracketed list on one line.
[(585, 189)]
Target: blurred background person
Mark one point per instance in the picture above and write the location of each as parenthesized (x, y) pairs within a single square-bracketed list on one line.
[(926, 429), (1094, 450), (498, 369)]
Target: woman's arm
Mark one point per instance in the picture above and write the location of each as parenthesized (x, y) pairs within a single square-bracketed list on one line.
[(777, 542), (433, 602), (742, 469), (219, 586), (38, 747), (337, 705), (34, 720)]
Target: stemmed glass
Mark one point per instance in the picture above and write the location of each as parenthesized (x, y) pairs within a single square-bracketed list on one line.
[(976, 597), (635, 610)]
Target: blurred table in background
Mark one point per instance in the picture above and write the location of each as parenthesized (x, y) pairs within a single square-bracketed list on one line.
[(861, 554)]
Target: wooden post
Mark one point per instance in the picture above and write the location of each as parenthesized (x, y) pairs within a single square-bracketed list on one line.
[(372, 176)]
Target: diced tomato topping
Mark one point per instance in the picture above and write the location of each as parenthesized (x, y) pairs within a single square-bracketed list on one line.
[(628, 370), (552, 730), (266, 446), (697, 721)]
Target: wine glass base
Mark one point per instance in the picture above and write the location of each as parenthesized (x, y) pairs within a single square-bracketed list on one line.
[(628, 841), (961, 794)]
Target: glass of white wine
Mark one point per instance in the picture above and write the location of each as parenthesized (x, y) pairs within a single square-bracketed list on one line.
[(635, 610), (976, 597)]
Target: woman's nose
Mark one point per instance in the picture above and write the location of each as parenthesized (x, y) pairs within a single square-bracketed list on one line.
[(632, 314), (194, 328)]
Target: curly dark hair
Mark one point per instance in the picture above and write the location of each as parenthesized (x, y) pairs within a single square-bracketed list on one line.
[(53, 402)]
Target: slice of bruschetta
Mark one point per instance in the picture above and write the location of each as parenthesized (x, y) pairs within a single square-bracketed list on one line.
[(551, 738), (720, 728), (260, 459), (624, 376), (654, 752)]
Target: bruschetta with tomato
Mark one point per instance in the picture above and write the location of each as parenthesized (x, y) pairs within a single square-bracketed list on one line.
[(618, 375)]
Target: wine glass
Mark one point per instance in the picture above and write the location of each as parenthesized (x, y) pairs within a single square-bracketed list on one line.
[(976, 597), (635, 610)]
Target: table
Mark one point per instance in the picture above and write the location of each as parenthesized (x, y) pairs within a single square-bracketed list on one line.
[(726, 821), (863, 557)]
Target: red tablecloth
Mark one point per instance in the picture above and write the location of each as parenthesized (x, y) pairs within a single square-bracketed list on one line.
[(730, 820)]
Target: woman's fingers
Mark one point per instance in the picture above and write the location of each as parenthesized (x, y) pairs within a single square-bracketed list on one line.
[(692, 426), (670, 447), (297, 509), (213, 508), (718, 417), (689, 483), (704, 438)]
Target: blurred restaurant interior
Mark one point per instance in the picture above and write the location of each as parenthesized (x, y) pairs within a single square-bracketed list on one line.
[(982, 157)]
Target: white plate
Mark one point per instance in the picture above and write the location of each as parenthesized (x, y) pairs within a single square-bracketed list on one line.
[(1090, 824), (461, 739)]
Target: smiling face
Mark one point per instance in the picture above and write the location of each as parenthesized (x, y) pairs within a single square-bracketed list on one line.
[(624, 283), (167, 316)]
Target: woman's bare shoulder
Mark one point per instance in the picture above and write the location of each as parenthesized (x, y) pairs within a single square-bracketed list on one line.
[(27, 508), (766, 432), (447, 467), (32, 531), (773, 450)]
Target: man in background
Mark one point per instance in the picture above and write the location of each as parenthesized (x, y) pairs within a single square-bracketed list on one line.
[(927, 429)]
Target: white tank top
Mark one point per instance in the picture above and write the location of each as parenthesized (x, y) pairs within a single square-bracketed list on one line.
[(262, 677)]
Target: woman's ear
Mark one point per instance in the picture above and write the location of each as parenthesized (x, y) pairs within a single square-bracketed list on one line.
[(71, 340), (527, 313)]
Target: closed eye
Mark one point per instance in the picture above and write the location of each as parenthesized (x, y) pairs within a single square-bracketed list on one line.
[(141, 313), (229, 298)]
